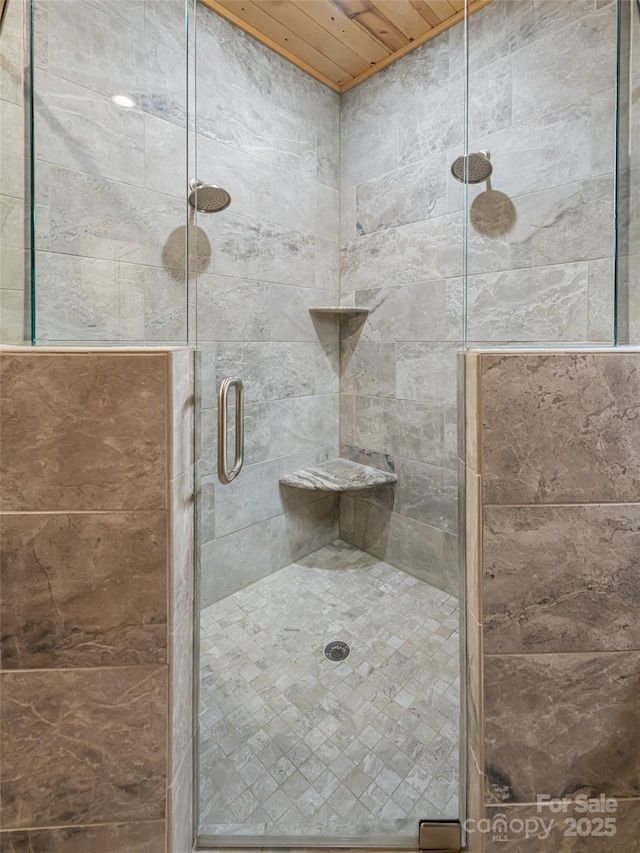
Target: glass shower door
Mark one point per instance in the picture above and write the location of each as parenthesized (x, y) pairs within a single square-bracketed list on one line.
[(329, 707)]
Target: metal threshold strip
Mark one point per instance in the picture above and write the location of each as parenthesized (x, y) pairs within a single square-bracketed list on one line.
[(433, 836), (304, 842)]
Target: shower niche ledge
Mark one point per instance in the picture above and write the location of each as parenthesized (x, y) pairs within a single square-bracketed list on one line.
[(339, 311), (338, 475)]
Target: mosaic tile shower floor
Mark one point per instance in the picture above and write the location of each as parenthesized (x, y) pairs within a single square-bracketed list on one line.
[(293, 744)]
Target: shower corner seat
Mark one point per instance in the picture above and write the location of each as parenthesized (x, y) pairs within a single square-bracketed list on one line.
[(338, 475)]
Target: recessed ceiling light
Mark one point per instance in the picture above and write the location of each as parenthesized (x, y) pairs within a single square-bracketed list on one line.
[(123, 101)]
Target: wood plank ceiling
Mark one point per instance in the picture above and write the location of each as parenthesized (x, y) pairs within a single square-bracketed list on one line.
[(343, 42)]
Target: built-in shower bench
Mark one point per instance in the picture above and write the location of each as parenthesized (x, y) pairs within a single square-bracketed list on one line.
[(338, 475)]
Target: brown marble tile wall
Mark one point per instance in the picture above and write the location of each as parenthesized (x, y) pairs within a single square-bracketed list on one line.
[(114, 614), (117, 838), (553, 586), (97, 601)]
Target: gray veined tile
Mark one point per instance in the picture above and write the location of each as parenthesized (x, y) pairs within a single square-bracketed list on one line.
[(327, 265), (12, 314), (14, 263), (601, 295), (409, 194), (546, 151), (603, 111), (86, 43), (530, 21), (369, 260), (247, 248), (564, 224), (249, 179), (488, 39), (413, 430), (289, 317), (347, 214), (368, 368), (366, 154), (164, 293), (165, 157), (328, 152), (84, 299), (132, 14), (12, 214), (305, 204), (100, 218), (519, 314), (11, 55), (426, 493), (12, 172), (232, 309), (546, 75), (163, 89), (402, 83), (164, 22), (431, 249), (302, 96), (393, 316), (303, 424), (250, 123), (427, 371), (272, 371), (431, 125), (490, 98), (235, 55)]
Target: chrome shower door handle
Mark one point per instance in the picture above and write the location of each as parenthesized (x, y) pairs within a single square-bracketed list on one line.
[(224, 475)]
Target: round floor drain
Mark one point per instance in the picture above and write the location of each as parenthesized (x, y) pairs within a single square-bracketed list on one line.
[(337, 650)]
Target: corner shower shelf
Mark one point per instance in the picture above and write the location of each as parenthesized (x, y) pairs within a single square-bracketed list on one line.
[(338, 475), (339, 311)]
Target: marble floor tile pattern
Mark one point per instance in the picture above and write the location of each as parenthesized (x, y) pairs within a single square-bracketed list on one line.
[(293, 744)]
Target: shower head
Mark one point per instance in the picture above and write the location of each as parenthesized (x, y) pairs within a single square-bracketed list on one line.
[(207, 199), (472, 169)]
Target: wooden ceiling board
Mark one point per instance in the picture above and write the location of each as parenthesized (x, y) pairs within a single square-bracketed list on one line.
[(371, 19), (253, 20), (404, 16), (426, 12), (342, 27), (343, 42), (293, 16), (441, 8)]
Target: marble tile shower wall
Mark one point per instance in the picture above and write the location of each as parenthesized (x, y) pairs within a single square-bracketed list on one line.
[(269, 134), (540, 263), (110, 179), (540, 242), (12, 177), (401, 257), (97, 606), (553, 590)]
